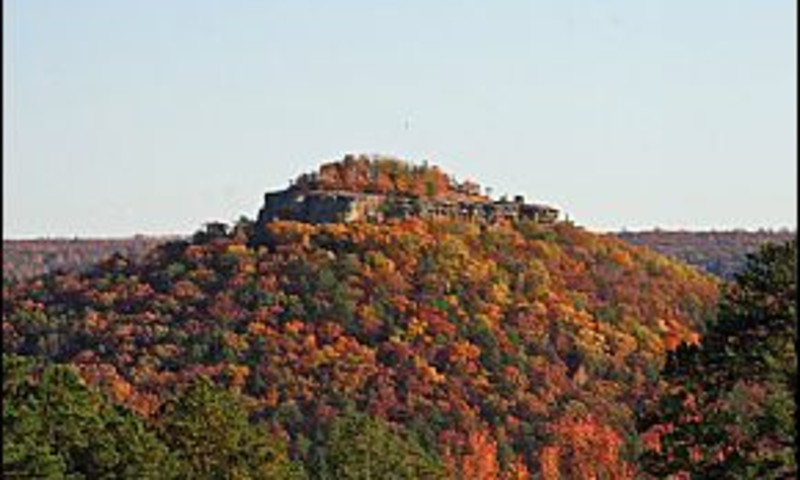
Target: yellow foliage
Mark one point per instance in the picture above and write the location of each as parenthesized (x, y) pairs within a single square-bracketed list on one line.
[(237, 249), (416, 327)]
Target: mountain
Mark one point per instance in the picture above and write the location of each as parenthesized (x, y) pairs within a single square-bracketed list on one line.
[(503, 345), (722, 253)]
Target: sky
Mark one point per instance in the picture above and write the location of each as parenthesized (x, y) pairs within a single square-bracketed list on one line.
[(154, 117)]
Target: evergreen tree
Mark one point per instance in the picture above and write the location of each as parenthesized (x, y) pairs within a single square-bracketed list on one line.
[(56, 427), (209, 430), (360, 447), (729, 407)]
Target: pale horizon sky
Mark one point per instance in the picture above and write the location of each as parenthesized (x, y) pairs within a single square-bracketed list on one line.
[(153, 117)]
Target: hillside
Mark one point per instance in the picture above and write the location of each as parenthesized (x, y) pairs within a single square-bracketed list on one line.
[(502, 347), (721, 253)]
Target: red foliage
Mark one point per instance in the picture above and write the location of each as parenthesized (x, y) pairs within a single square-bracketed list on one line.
[(439, 326)]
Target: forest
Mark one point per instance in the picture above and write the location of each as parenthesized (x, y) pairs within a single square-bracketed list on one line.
[(721, 253), (406, 349), (28, 258)]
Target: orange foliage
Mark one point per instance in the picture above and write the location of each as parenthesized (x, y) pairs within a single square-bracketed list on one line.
[(436, 322), (548, 458), (477, 459), (584, 448), (517, 471)]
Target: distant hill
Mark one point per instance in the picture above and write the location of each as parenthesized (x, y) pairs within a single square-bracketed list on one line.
[(721, 253), (501, 348), (28, 258)]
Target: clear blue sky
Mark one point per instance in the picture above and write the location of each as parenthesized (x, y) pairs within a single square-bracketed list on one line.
[(153, 116)]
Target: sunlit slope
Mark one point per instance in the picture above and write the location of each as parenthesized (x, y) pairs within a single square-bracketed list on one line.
[(503, 348)]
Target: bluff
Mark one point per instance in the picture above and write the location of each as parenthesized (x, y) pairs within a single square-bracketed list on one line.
[(507, 349), (375, 189)]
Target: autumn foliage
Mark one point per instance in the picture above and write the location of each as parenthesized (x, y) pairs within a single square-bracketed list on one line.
[(387, 175), (504, 350)]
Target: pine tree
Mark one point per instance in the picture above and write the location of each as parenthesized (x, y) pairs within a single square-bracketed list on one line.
[(360, 447), (54, 426), (729, 407), (209, 430)]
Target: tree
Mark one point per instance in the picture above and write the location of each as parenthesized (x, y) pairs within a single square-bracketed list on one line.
[(209, 430), (360, 447), (729, 406), (24, 452), (56, 427)]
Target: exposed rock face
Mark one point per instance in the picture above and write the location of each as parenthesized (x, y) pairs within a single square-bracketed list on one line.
[(341, 206), (362, 188), (320, 206)]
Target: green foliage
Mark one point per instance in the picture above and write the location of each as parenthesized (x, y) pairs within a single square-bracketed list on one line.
[(55, 427), (24, 451), (452, 331), (360, 447), (209, 431), (729, 405)]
